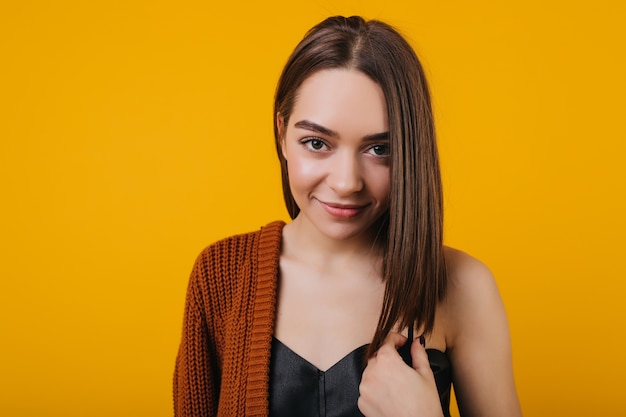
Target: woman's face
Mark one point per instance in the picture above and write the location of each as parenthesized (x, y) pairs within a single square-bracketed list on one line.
[(337, 150)]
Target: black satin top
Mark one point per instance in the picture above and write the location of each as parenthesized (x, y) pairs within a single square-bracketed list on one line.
[(298, 388)]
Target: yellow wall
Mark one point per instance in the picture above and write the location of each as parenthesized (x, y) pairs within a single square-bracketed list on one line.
[(134, 133)]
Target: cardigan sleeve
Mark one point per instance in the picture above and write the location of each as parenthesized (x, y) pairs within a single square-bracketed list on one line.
[(223, 359), (195, 383)]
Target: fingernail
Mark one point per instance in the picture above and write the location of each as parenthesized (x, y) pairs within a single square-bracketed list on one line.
[(423, 341)]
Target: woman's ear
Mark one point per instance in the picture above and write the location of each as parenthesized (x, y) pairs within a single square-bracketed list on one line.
[(281, 128)]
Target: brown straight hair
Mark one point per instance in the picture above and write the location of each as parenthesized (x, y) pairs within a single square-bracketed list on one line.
[(411, 233)]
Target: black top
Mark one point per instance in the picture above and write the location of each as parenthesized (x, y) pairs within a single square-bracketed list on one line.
[(298, 388)]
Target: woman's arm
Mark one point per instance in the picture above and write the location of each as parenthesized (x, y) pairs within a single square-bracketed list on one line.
[(194, 383), (478, 341)]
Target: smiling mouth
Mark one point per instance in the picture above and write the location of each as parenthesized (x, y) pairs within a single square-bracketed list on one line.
[(344, 211)]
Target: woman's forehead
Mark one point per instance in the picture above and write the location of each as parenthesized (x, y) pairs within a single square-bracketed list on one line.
[(341, 100)]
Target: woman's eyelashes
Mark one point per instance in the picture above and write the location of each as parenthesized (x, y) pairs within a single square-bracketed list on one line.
[(315, 144), (380, 150)]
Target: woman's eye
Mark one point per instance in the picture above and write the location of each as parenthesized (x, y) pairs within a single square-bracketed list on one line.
[(315, 144), (380, 150)]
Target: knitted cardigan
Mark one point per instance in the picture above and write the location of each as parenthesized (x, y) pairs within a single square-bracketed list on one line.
[(222, 367)]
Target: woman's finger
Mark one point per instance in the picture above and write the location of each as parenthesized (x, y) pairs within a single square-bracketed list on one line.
[(419, 356)]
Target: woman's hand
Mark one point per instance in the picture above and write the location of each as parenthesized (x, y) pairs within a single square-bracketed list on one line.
[(390, 388)]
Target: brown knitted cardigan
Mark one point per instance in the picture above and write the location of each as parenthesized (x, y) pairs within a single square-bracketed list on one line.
[(222, 367)]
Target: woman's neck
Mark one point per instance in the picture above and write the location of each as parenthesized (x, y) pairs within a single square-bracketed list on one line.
[(304, 242)]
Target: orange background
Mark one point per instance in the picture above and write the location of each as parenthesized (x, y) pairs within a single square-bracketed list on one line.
[(134, 133)]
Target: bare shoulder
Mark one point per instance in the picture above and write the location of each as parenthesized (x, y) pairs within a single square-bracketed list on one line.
[(477, 337), (473, 302), (469, 280)]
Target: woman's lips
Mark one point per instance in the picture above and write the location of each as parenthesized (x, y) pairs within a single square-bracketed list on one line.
[(344, 211)]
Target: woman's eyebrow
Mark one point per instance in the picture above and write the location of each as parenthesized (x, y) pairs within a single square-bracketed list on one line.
[(314, 127), (377, 136)]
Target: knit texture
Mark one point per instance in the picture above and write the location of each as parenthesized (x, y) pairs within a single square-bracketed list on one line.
[(222, 367)]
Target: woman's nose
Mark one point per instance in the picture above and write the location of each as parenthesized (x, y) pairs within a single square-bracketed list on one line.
[(345, 175)]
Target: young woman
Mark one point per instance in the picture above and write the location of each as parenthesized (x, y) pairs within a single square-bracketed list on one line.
[(319, 317)]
